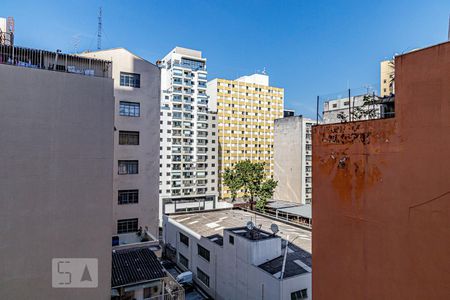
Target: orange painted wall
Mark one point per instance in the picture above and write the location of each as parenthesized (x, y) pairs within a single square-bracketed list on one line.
[(382, 193)]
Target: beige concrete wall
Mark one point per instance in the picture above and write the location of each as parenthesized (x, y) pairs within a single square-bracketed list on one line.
[(288, 152), (55, 180), (147, 152)]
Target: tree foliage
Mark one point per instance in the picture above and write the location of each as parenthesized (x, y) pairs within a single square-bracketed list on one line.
[(250, 177)]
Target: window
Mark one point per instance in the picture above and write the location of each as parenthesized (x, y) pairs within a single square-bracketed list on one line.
[(203, 277), (231, 239), (203, 252), (184, 239), (128, 137), (334, 105), (128, 196), (183, 260), (301, 294), (128, 167), (130, 79), (129, 109), (127, 225)]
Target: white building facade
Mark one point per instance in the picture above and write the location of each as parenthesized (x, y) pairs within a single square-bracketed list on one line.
[(293, 159), (238, 263), (345, 107), (188, 135)]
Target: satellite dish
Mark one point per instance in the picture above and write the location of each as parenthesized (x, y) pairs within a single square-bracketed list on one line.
[(250, 225), (274, 228)]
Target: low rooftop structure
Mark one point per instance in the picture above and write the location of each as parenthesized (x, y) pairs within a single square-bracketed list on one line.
[(236, 254), (54, 61), (138, 274), (212, 223), (133, 266)]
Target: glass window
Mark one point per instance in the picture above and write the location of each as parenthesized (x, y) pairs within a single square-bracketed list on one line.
[(203, 277), (128, 167), (184, 239), (301, 294), (203, 252), (183, 260), (231, 239), (129, 109), (128, 137), (127, 225), (128, 196), (130, 79)]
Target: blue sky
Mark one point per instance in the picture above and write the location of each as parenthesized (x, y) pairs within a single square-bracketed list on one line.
[(308, 47)]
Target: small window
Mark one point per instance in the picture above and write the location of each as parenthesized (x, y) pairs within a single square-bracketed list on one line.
[(346, 103), (334, 105), (184, 239), (128, 137), (301, 294), (127, 225), (203, 277), (128, 167), (203, 252), (129, 109), (231, 239), (128, 196), (130, 79), (183, 261)]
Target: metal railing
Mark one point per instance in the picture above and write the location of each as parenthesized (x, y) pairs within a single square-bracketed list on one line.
[(54, 61), (354, 104)]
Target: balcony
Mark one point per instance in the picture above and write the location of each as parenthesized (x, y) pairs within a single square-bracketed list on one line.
[(54, 61)]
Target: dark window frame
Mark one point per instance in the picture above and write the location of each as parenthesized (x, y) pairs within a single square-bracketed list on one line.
[(127, 225), (129, 109), (184, 261), (231, 239), (129, 137), (300, 294), (184, 239), (128, 167), (203, 277), (128, 197), (130, 79), (203, 252)]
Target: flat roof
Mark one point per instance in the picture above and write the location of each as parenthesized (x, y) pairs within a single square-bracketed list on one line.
[(302, 211), (213, 222)]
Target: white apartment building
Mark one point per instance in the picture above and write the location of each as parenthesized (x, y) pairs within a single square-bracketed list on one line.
[(233, 259), (345, 106), (188, 135), (6, 31), (293, 159), (136, 143)]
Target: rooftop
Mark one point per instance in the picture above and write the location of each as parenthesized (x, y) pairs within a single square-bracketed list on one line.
[(212, 223), (54, 61), (254, 234), (134, 266)]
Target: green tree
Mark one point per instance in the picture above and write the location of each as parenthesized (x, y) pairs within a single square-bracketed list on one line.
[(232, 181), (252, 179)]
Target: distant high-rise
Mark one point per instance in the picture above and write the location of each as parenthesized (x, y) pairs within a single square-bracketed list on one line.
[(246, 110), (7, 31), (188, 135), (387, 86)]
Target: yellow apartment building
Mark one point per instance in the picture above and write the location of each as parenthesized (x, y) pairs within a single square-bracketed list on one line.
[(246, 110)]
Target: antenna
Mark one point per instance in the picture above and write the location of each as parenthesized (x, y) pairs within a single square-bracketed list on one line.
[(274, 228), (250, 225), (99, 29), (448, 28)]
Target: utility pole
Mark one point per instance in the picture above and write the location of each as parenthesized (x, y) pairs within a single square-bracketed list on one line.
[(99, 29)]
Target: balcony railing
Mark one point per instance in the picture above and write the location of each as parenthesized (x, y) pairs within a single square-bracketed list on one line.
[(54, 61)]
